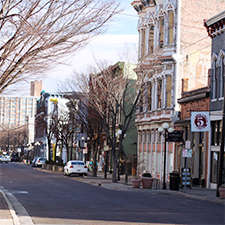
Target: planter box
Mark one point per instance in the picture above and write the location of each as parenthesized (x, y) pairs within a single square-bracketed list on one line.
[(147, 182), (222, 193), (136, 183)]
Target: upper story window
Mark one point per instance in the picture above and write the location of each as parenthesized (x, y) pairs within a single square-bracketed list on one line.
[(168, 91), (142, 42), (141, 102), (221, 78), (213, 85), (217, 82), (161, 32), (159, 93), (151, 39), (149, 96), (170, 27)]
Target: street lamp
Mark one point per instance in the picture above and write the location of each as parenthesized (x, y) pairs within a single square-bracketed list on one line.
[(165, 127)]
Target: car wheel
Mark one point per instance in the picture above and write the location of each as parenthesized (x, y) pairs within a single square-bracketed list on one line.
[(85, 174)]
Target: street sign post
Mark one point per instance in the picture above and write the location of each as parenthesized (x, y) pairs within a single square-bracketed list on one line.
[(187, 153)]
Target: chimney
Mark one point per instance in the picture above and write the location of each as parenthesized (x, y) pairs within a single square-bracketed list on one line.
[(184, 84)]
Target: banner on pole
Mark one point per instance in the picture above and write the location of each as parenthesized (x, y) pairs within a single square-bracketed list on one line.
[(200, 121)]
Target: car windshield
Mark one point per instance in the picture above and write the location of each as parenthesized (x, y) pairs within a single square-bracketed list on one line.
[(77, 163)]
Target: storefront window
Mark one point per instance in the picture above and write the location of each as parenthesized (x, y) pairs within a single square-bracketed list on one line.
[(216, 132), (214, 166)]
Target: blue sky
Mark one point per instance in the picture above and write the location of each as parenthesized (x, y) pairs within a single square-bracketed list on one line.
[(120, 32)]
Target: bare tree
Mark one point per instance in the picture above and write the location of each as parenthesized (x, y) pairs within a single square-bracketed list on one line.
[(12, 138), (83, 114), (35, 35), (116, 94)]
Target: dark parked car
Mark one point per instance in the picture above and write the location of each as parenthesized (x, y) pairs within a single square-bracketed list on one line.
[(15, 158)]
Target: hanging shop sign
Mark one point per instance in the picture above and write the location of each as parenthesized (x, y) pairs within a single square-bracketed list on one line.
[(176, 136), (200, 121)]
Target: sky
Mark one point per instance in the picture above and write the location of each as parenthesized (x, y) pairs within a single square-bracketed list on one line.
[(121, 32)]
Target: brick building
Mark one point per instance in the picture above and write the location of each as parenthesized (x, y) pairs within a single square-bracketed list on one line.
[(173, 31), (192, 101)]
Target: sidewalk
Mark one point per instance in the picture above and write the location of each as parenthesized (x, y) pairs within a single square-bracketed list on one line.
[(7, 214), (195, 192)]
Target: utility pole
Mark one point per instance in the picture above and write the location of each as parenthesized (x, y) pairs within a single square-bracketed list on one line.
[(220, 168)]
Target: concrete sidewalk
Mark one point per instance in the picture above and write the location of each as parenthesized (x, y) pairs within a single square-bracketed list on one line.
[(8, 215), (195, 192)]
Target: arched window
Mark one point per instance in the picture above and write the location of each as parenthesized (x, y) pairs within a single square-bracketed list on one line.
[(168, 91), (149, 96), (151, 39), (170, 27), (161, 32), (213, 81), (159, 93), (142, 42)]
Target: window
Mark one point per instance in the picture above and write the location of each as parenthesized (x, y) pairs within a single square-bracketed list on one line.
[(216, 132), (221, 78), (213, 89), (142, 42), (170, 27), (168, 91), (159, 137), (151, 40), (161, 32), (141, 100), (159, 94), (217, 82), (214, 166), (149, 96)]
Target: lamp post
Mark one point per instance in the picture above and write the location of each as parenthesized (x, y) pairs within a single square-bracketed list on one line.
[(165, 127)]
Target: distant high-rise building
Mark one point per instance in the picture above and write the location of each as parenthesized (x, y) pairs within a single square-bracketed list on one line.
[(35, 88)]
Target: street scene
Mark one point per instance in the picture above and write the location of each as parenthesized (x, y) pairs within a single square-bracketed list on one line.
[(41, 197), (112, 112)]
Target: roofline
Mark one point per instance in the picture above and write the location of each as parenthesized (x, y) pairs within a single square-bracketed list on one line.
[(215, 19)]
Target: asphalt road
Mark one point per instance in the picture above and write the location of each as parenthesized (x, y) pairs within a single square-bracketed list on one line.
[(51, 198)]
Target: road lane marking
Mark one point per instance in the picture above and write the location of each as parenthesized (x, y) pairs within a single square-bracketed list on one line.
[(19, 213)]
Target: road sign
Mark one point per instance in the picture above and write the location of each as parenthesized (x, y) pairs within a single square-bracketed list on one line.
[(188, 144), (187, 153)]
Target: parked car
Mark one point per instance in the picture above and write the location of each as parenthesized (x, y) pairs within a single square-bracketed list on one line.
[(5, 158), (15, 158), (40, 161), (75, 167)]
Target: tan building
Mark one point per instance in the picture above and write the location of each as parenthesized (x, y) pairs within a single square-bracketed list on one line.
[(173, 31), (20, 111), (35, 88)]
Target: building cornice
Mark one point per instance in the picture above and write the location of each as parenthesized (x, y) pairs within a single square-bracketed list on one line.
[(215, 25)]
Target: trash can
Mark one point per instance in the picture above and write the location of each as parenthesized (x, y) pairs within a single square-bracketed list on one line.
[(174, 180)]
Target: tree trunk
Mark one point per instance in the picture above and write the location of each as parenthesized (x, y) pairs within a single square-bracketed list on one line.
[(114, 165), (49, 150), (94, 167)]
